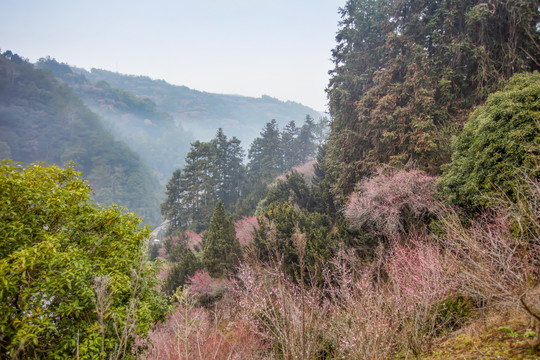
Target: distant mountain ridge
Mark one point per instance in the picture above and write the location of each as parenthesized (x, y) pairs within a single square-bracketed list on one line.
[(134, 119), (202, 113)]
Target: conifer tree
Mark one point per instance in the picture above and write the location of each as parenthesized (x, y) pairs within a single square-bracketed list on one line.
[(184, 264), (229, 170), (171, 208), (306, 140), (265, 155), (407, 74), (221, 248), (197, 186)]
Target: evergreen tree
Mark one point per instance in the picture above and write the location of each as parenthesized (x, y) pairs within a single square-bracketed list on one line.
[(171, 208), (289, 144), (197, 186), (213, 171), (265, 153), (306, 141), (498, 146), (408, 72), (184, 264), (230, 172), (221, 248)]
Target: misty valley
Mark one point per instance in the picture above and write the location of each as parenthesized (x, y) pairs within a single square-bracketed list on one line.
[(145, 220)]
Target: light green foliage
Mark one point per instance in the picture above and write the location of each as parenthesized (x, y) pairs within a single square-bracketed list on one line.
[(500, 142), (221, 248), (73, 276)]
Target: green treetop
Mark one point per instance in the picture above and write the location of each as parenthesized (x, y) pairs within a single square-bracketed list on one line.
[(72, 273), (498, 145), (221, 249)]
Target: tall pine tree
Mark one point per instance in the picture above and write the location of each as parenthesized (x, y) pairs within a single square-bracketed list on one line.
[(213, 172), (265, 154), (221, 248)]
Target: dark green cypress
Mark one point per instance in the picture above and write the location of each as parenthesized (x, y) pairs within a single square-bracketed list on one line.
[(221, 248)]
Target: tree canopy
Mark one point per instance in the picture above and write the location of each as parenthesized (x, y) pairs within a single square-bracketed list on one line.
[(42, 119), (74, 275), (221, 249), (407, 73)]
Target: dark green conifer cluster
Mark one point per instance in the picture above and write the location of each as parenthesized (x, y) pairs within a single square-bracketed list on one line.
[(407, 74)]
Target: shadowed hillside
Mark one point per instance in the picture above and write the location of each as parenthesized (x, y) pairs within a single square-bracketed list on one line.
[(44, 120)]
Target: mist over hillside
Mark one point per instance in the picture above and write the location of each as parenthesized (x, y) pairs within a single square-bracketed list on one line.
[(202, 113), (137, 121), (42, 119)]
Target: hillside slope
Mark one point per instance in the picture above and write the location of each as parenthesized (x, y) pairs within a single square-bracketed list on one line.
[(44, 120), (203, 113), (137, 121)]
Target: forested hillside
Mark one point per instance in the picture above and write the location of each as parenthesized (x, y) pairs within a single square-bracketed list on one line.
[(410, 230), (137, 121), (202, 113), (215, 172), (418, 219), (407, 75), (44, 120)]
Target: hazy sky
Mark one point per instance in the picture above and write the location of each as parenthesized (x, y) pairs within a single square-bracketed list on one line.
[(280, 48)]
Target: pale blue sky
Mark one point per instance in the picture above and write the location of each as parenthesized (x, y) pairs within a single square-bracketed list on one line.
[(280, 48)]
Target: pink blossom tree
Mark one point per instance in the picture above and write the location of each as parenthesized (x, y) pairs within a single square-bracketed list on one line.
[(391, 202)]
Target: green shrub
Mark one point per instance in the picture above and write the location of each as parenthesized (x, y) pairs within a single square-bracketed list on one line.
[(499, 142), (72, 273)]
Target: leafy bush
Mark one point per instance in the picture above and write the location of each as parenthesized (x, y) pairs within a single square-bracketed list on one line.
[(75, 277), (499, 142), (452, 313), (299, 239)]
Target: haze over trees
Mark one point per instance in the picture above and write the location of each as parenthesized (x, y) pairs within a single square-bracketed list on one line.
[(44, 120), (416, 217), (214, 172), (202, 113), (137, 121)]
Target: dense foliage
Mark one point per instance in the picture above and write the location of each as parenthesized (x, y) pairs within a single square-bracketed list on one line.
[(74, 278), (498, 146), (407, 73), (292, 233), (351, 255), (214, 171), (43, 120), (183, 264)]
